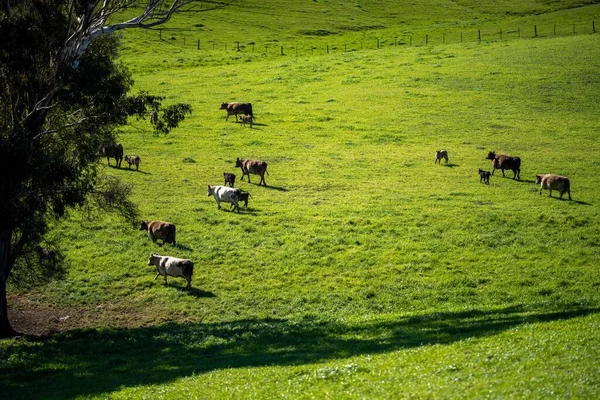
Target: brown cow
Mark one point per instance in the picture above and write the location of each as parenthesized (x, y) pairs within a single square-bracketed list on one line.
[(160, 230), (554, 182), (135, 160), (255, 167), (237, 108), (113, 151), (501, 161)]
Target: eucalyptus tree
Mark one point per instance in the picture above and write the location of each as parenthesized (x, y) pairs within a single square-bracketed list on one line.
[(63, 94)]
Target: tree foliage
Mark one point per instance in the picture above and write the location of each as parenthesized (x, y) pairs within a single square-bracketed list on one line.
[(63, 95)]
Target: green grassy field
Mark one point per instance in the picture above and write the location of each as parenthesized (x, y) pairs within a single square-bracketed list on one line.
[(363, 269)]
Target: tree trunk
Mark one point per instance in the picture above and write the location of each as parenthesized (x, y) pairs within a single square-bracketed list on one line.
[(5, 266)]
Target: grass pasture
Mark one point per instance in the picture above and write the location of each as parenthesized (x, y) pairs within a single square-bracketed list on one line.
[(363, 270)]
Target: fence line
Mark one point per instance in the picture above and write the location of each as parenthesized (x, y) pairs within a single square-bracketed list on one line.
[(424, 39)]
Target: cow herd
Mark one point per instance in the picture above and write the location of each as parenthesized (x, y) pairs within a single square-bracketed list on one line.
[(501, 161), (227, 193), (166, 231)]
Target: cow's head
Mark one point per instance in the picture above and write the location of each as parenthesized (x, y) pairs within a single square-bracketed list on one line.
[(153, 257), (211, 190), (144, 226), (491, 155), (224, 106), (538, 179), (238, 163)]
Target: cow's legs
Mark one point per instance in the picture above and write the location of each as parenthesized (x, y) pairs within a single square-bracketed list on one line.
[(166, 283), (503, 173), (156, 277)]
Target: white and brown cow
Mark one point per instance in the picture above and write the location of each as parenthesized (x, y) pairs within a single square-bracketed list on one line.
[(172, 266), (164, 231), (133, 160), (225, 194), (554, 182), (255, 167)]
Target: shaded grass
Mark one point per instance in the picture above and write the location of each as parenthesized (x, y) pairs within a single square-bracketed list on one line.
[(105, 360)]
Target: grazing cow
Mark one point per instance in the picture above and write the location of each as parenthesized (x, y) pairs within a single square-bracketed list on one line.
[(246, 119), (113, 151), (237, 108), (501, 161), (243, 196), (439, 154), (135, 160), (164, 231), (172, 266), (226, 194), (229, 179), (255, 167), (554, 182), (484, 176)]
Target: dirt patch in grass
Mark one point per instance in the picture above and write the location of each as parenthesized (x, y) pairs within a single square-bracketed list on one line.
[(34, 319)]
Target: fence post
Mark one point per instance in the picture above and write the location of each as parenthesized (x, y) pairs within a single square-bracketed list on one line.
[(198, 44), (238, 46), (479, 34), (328, 49), (377, 42), (282, 51), (535, 31), (427, 39)]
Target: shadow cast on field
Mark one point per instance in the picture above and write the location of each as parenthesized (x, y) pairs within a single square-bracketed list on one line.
[(195, 292), (450, 165), (136, 170), (95, 362)]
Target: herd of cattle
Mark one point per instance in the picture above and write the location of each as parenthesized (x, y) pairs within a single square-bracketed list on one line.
[(227, 193), (166, 231), (503, 162)]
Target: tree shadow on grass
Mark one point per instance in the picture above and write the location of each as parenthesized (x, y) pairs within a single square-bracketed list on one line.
[(95, 362)]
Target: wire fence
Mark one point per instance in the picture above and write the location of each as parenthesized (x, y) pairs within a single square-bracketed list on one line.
[(185, 39)]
